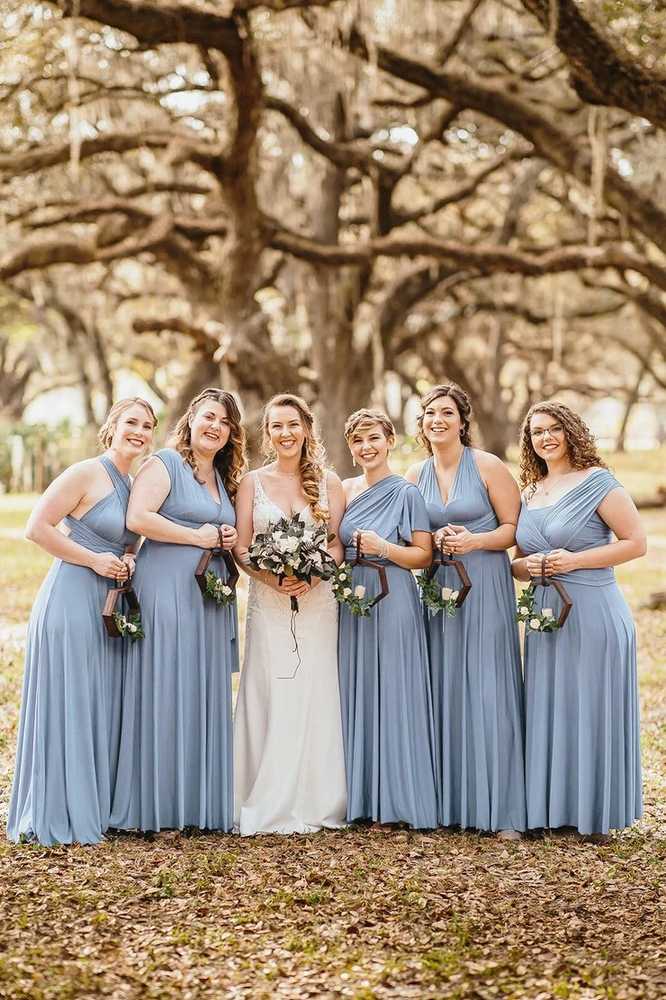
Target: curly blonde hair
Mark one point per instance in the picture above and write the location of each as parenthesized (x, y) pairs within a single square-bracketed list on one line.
[(229, 461), (463, 406), (312, 467), (364, 418), (108, 428), (581, 446)]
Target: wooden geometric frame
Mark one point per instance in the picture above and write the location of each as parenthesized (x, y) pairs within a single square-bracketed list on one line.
[(124, 595), (545, 581), (442, 558), (202, 566), (381, 570)]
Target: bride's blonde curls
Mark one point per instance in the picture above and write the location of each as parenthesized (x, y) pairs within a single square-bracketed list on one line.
[(312, 466)]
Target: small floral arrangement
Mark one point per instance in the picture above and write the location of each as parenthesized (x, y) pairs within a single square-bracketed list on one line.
[(353, 598), (535, 621), (129, 625), (293, 548), (217, 590), (437, 598)]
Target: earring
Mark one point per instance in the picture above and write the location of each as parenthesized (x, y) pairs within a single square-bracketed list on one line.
[(353, 461)]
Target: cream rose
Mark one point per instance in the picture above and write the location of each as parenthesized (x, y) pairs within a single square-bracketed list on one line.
[(359, 591), (534, 624)]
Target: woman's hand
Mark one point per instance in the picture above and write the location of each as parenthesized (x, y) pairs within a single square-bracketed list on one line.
[(534, 562), (560, 561), (228, 536), (458, 540), (372, 544), (207, 536), (130, 561), (291, 586), (106, 564)]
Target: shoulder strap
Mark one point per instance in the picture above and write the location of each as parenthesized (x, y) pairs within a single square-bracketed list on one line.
[(120, 483), (323, 491)]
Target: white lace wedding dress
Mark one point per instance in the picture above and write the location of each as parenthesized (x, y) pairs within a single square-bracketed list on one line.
[(289, 768)]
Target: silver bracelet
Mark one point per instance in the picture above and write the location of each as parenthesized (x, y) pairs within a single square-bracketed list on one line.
[(383, 552)]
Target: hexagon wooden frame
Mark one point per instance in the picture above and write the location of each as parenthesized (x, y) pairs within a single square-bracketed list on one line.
[(360, 560), (110, 608), (545, 581), (442, 558), (204, 562)]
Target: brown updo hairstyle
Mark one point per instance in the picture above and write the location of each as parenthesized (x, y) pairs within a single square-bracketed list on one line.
[(463, 405), (229, 461), (108, 428), (312, 465), (581, 446), (362, 420)]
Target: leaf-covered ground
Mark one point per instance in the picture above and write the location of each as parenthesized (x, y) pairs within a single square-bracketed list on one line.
[(358, 914)]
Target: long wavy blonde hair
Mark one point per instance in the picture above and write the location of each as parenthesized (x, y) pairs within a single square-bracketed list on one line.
[(108, 428), (581, 446), (229, 461), (312, 466)]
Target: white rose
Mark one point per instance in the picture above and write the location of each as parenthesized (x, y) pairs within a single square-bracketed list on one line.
[(547, 612), (131, 628), (346, 592), (359, 591), (226, 591), (282, 543), (534, 624), (455, 595), (446, 593), (291, 544)]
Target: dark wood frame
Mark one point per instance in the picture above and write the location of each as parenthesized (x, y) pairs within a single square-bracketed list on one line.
[(360, 560), (204, 562), (442, 558), (546, 581), (114, 595)]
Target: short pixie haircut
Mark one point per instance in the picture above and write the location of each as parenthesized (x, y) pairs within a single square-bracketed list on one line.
[(363, 419)]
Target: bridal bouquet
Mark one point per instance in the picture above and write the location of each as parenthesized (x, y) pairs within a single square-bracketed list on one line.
[(293, 548)]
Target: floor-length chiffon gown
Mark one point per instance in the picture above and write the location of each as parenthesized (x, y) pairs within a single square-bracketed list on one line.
[(475, 669), (583, 764), (384, 681), (175, 765), (289, 762), (70, 712)]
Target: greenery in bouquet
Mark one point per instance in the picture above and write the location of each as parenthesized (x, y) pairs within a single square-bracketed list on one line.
[(129, 626), (535, 621), (293, 548), (353, 597), (217, 590), (437, 598)]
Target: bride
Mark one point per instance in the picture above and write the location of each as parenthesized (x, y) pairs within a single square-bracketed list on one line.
[(289, 759)]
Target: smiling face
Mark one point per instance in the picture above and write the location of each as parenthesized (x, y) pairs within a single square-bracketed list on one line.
[(133, 431), (285, 431), (548, 437), (370, 446), (210, 427), (441, 421)]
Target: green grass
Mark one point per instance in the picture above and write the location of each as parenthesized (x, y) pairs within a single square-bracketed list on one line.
[(354, 913)]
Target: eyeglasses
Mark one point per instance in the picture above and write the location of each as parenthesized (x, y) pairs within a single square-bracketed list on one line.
[(554, 431)]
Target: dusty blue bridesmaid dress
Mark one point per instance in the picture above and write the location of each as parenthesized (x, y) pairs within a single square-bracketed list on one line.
[(583, 745), (384, 684), (175, 763), (70, 723), (475, 670)]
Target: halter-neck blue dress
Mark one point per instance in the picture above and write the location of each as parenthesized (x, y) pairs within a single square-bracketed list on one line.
[(175, 764), (385, 695), (583, 764), (70, 713), (475, 669)]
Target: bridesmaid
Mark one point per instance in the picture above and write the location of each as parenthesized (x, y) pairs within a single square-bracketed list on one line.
[(582, 753), (384, 684), (473, 504), (69, 726), (175, 765)]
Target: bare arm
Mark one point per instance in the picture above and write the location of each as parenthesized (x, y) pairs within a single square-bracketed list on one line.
[(244, 527), (62, 497), (418, 555), (336, 507), (519, 565), (149, 491)]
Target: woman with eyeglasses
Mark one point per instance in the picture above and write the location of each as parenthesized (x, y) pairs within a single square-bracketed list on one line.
[(582, 718)]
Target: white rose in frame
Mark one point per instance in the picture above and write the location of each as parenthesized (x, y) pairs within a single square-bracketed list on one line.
[(226, 590), (131, 627), (446, 593), (455, 594), (534, 624), (547, 612), (359, 591)]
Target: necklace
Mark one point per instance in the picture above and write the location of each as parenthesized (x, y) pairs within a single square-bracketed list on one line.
[(553, 483)]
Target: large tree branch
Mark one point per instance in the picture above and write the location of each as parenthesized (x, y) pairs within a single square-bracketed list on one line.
[(600, 74), (485, 259), (553, 143), (41, 157)]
